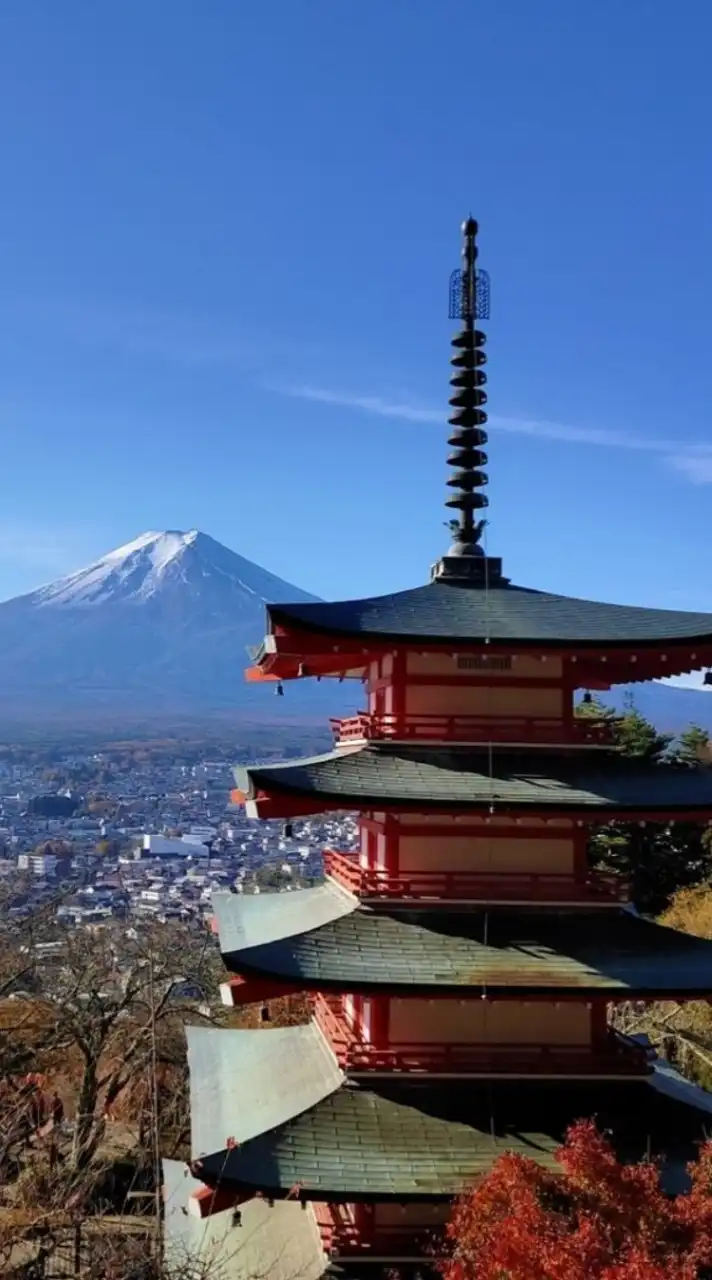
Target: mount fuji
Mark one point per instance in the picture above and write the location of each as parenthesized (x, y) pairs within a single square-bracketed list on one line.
[(158, 625), (158, 629)]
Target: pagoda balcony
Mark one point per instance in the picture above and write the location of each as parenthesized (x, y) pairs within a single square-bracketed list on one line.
[(341, 1237), (580, 731), (618, 1055), (597, 888)]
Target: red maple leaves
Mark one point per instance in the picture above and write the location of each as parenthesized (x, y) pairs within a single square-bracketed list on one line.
[(596, 1220)]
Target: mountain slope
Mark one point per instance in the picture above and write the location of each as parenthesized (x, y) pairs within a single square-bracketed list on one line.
[(670, 707), (159, 565), (161, 623), (160, 626)]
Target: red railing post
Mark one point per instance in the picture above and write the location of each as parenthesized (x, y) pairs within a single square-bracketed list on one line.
[(617, 1054), (434, 728), (475, 886)]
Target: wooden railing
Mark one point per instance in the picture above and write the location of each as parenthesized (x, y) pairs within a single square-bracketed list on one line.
[(598, 887), (579, 731), (618, 1055)]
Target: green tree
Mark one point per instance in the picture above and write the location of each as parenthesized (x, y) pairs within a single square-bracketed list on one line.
[(658, 859), (634, 735), (592, 706), (692, 745), (638, 738)]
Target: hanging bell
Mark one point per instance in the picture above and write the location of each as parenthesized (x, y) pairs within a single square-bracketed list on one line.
[(587, 699), (279, 689)]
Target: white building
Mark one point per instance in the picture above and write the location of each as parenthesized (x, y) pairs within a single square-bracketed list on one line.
[(38, 864), (183, 846)]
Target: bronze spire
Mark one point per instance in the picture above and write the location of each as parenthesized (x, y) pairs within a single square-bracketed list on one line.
[(469, 302)]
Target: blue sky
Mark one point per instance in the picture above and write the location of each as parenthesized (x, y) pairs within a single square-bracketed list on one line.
[(226, 233)]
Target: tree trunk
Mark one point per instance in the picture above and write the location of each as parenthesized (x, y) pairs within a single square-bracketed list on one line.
[(88, 1128)]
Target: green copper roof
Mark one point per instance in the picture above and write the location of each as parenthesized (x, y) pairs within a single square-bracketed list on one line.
[(474, 778), (458, 611), (410, 1141), (521, 952), (245, 1082), (265, 917)]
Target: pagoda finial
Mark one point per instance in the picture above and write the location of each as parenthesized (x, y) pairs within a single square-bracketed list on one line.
[(469, 301)]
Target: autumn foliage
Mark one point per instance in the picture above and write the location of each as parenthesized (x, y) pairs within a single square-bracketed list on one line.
[(596, 1220)]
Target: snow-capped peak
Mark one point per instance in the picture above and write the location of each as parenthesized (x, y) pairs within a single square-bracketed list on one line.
[(172, 540), (154, 563), (157, 548)]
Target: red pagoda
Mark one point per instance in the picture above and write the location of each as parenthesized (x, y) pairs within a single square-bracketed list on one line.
[(461, 964)]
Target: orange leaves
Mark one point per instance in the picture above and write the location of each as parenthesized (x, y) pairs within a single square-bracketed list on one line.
[(596, 1220), (691, 911)]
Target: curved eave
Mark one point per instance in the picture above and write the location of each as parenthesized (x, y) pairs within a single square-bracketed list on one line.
[(359, 1146), (279, 658), (473, 780), (286, 803), (248, 920), (303, 652), (439, 613), (243, 1083), (261, 970), (499, 954), (397, 1141)]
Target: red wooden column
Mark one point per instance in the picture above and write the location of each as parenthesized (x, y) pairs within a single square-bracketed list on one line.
[(399, 685), (380, 1019), (358, 1013), (365, 1223), (388, 830), (391, 837), (569, 683), (367, 842)]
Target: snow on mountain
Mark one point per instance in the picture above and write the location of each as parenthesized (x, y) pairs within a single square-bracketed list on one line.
[(156, 562), (161, 623)]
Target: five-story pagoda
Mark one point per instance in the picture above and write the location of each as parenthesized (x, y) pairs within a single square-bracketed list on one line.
[(460, 965)]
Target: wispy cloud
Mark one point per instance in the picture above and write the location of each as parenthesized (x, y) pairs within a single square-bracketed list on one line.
[(694, 461)]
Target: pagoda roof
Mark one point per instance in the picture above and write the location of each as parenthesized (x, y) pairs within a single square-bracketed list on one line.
[(256, 921), (477, 777), (409, 1141), (442, 611), (283, 1071), (522, 953)]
